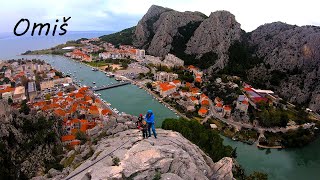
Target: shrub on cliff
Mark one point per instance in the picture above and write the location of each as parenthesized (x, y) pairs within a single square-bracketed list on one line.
[(209, 141)]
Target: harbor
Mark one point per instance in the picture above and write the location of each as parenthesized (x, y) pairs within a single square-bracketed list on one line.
[(129, 99)]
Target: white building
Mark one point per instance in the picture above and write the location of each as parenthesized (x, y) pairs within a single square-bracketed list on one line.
[(242, 103), (166, 89), (140, 53), (164, 76), (19, 94), (7, 95)]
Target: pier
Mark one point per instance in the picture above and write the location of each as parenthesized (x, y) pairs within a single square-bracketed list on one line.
[(111, 86)]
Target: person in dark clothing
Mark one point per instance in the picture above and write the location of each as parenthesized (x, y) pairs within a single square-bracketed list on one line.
[(143, 126), (144, 129), (139, 122)]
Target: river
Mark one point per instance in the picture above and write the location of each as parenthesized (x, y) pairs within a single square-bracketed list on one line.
[(302, 163)]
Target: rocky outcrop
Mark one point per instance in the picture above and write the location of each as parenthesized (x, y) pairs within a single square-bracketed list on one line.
[(294, 51), (171, 155), (156, 30), (215, 34), (28, 143), (144, 28)]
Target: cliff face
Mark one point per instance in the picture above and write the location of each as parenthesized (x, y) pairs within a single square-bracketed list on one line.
[(171, 155), (156, 30), (28, 144), (215, 34), (293, 52)]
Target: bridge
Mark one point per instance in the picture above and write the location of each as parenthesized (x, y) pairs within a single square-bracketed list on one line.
[(111, 86)]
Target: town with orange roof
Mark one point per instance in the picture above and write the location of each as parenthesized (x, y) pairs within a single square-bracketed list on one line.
[(47, 90)]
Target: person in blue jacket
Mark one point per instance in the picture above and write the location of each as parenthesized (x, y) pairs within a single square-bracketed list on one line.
[(150, 121)]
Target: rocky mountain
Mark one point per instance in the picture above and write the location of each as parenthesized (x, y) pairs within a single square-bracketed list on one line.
[(215, 34), (158, 27), (29, 144), (279, 56), (126, 155), (291, 61)]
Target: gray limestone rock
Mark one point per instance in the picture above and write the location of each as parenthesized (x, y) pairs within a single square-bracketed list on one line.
[(171, 155)]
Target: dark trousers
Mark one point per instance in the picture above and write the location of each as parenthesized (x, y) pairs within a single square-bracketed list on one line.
[(144, 133)]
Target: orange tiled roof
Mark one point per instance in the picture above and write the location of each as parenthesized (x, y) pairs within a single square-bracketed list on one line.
[(79, 95), (193, 98), (8, 89), (227, 108), (75, 143), (219, 105), (177, 81), (87, 98), (205, 102), (105, 112), (245, 102), (60, 93), (203, 111), (166, 86), (68, 138), (60, 112)]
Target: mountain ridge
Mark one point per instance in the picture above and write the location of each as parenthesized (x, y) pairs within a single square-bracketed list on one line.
[(279, 56)]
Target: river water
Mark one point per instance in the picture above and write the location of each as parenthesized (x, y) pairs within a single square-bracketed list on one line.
[(296, 164)]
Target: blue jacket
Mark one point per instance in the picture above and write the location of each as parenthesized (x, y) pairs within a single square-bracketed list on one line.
[(150, 120)]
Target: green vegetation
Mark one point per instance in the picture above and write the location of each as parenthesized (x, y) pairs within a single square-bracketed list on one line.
[(37, 132), (291, 139), (24, 107), (157, 176), (57, 50), (123, 37), (208, 140), (241, 58), (185, 76), (271, 116), (115, 161), (82, 137)]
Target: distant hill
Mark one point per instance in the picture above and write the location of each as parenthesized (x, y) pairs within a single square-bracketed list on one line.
[(123, 37)]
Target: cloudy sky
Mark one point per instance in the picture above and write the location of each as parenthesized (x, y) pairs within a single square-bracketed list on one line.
[(114, 15)]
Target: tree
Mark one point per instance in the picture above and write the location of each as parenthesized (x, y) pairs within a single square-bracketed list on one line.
[(10, 101), (24, 107), (81, 136), (47, 97), (6, 80), (149, 85)]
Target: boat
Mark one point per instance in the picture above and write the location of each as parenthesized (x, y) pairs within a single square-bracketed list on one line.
[(93, 82)]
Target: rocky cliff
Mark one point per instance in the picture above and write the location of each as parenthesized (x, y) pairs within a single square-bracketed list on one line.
[(215, 34), (291, 56), (156, 30), (29, 144), (277, 55), (121, 153), (170, 155)]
